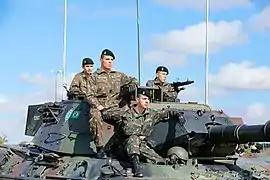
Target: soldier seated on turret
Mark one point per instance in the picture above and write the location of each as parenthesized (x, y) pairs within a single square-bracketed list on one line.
[(137, 124), (160, 82)]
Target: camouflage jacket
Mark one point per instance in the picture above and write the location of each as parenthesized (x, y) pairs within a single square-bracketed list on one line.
[(134, 124), (106, 87), (80, 83), (142, 124), (167, 88)]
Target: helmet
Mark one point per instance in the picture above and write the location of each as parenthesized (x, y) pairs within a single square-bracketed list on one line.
[(180, 152)]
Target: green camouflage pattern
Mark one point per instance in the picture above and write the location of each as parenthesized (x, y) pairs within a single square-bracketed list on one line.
[(167, 88), (62, 148)]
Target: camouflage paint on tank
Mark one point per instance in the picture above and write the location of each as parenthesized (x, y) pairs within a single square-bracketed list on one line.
[(71, 152), (79, 167), (71, 133)]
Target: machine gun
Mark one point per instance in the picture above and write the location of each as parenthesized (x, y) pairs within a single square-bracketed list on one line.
[(74, 95), (206, 134), (178, 85)]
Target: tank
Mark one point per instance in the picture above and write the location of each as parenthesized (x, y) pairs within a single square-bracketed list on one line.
[(199, 145)]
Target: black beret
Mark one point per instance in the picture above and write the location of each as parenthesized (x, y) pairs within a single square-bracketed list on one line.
[(162, 68), (107, 52), (87, 61), (143, 91)]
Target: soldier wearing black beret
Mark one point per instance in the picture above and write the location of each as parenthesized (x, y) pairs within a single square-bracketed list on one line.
[(104, 97), (162, 69), (137, 124), (144, 92), (82, 81), (86, 62), (160, 82), (107, 52)]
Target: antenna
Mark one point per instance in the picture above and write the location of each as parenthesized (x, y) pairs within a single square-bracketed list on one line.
[(64, 47), (138, 42), (56, 72), (206, 55)]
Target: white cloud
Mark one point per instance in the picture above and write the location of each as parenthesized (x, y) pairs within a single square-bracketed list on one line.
[(200, 4), (14, 108), (196, 94), (190, 94), (3, 99), (244, 75), (261, 21), (162, 57), (34, 79), (175, 45), (256, 113)]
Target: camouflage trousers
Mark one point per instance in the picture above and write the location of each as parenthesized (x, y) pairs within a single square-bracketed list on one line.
[(96, 123), (136, 146)]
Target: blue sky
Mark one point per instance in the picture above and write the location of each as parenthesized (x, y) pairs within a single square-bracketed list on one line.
[(31, 34)]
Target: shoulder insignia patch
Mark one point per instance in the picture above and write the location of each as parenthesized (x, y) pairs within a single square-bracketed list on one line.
[(69, 113), (75, 114)]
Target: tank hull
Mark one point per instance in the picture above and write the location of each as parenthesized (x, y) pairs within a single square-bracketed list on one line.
[(16, 165)]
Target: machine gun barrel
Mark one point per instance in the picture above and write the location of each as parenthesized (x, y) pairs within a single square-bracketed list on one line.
[(184, 83), (177, 85), (240, 133)]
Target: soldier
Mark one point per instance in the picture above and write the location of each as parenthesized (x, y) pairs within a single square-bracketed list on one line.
[(160, 82), (104, 97), (137, 124), (81, 80)]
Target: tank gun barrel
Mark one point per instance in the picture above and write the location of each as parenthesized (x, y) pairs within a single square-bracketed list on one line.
[(240, 133)]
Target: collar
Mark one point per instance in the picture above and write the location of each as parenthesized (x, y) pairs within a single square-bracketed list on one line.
[(98, 71), (83, 75), (145, 112), (156, 82)]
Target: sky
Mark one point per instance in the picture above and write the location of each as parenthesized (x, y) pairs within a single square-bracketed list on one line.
[(172, 34)]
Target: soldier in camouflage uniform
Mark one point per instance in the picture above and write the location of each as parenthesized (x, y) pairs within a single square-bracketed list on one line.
[(104, 97), (137, 124), (160, 82), (82, 80)]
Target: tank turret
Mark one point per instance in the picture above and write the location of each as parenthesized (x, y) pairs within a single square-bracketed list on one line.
[(63, 127), (204, 132)]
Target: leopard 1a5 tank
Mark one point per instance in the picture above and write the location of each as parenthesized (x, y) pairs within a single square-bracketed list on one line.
[(199, 145)]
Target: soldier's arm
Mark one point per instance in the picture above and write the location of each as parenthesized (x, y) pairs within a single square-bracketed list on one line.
[(75, 83), (171, 92), (128, 79), (130, 127), (160, 115)]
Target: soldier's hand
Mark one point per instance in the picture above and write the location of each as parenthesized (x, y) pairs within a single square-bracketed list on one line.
[(100, 107), (150, 143), (69, 95), (142, 138), (104, 114), (175, 113), (179, 115), (132, 87)]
